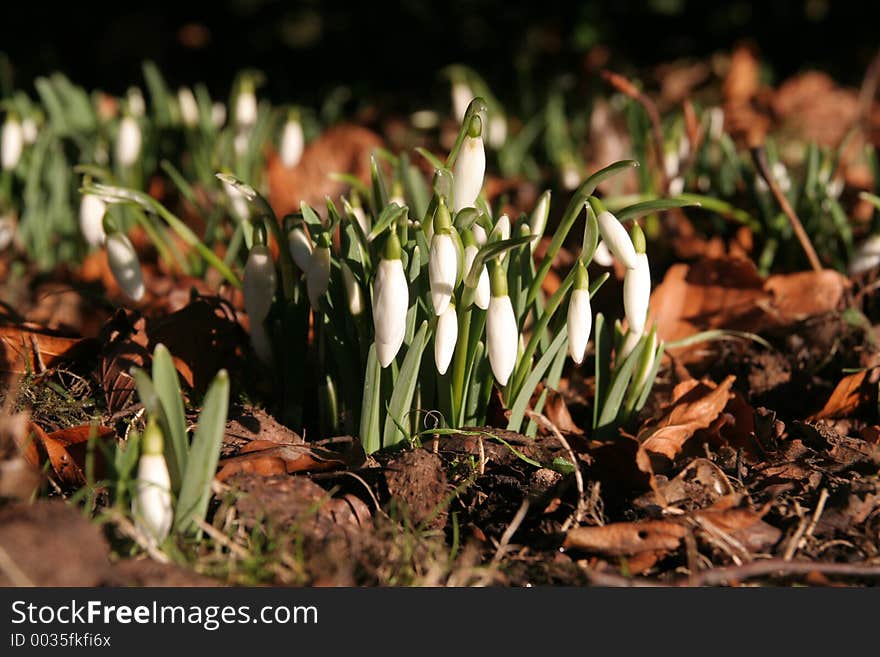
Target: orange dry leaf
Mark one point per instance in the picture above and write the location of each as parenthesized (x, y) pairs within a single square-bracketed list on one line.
[(852, 392), (626, 538), (26, 348), (695, 406), (66, 451)]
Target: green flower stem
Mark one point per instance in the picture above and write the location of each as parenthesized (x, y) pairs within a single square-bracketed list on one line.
[(459, 365)]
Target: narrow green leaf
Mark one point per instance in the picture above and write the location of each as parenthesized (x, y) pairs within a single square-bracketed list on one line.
[(195, 491), (370, 407), (153, 405), (404, 389), (518, 410), (167, 388)]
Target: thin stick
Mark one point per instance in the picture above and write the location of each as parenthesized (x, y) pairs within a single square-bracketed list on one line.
[(759, 157), (511, 530), (624, 86)]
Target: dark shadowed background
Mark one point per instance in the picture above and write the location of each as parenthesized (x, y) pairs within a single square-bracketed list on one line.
[(396, 48)]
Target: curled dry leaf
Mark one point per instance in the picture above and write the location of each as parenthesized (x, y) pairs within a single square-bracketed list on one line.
[(695, 405), (852, 393), (67, 451), (27, 348), (268, 457), (626, 538)]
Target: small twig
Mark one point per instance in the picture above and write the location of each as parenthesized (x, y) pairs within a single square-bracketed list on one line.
[(545, 422), (795, 541), (222, 539), (759, 157), (624, 86), (820, 509), (511, 530)]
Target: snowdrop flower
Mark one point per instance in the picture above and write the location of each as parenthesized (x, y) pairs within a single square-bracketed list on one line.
[(637, 285), (292, 142), (671, 163), (482, 292), (136, 105), (259, 285), (189, 108), (240, 141), (501, 232), (397, 195), (676, 186), (218, 114), (353, 293), (360, 216), (390, 302), (318, 272), (240, 205), (602, 256), (300, 248), (91, 219), (12, 142), (502, 334), (128, 141), (462, 95), (780, 172), (29, 130), (538, 220), (716, 122), (125, 265), (497, 130), (571, 177), (151, 506), (614, 234), (867, 255), (580, 316), (246, 105), (470, 167), (442, 260), (445, 338), (629, 343)]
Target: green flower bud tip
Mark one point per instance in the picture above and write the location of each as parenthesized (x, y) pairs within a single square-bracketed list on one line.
[(596, 204), (467, 238), (638, 238), (392, 250), (475, 129), (152, 441), (498, 280), (442, 220), (581, 277), (324, 240)]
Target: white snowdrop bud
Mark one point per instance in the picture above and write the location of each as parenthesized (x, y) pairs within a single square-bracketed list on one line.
[(29, 130), (501, 232), (12, 143), (189, 108), (151, 506), (579, 322), (676, 186), (125, 265), (502, 334), (445, 338), (136, 105), (128, 141), (497, 130), (353, 293), (292, 143), (671, 163), (361, 217), (470, 167), (241, 140), (218, 114), (442, 260), (259, 283), (246, 105), (614, 234), (462, 95), (571, 177), (637, 286), (480, 235), (482, 292), (318, 272), (91, 219), (538, 220), (390, 302), (300, 248), (602, 256)]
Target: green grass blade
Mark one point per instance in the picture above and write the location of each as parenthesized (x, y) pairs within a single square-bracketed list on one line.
[(404, 389), (167, 388), (518, 410), (370, 407)]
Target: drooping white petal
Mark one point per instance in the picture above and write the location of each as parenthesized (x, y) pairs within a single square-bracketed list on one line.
[(353, 292), (445, 339), (390, 303), (125, 265), (12, 144), (218, 114), (483, 292), (259, 283), (136, 105), (362, 219), (497, 130), (468, 172), (189, 108), (151, 507), (617, 239), (502, 338), (579, 324), (480, 236), (300, 248), (292, 144), (318, 275), (91, 219), (442, 270), (462, 95), (637, 293), (602, 256), (29, 130), (128, 141), (246, 108)]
